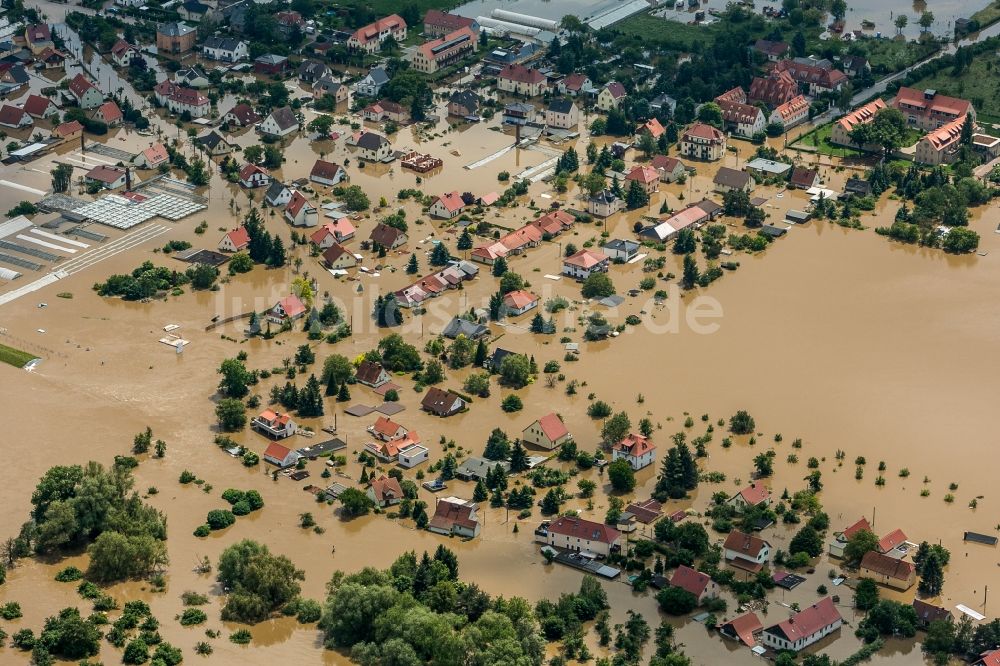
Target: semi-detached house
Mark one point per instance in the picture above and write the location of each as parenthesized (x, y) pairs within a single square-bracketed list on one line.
[(180, 99), (369, 38), (225, 49)]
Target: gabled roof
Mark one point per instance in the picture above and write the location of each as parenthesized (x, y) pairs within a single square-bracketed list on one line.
[(754, 494), (521, 74), (11, 115), (580, 528), (385, 235), (690, 580), (745, 626), (774, 49), (244, 114), (386, 427), (645, 512), (586, 259), (156, 154), (284, 117), (221, 43), (386, 487), (239, 237), (519, 299), (643, 174), (926, 102), (552, 426), (467, 98), (176, 29), (80, 85), (211, 140), (807, 622), (703, 131), (745, 544), (369, 371), (297, 203), (887, 566), (446, 21), (249, 170), (635, 445), (653, 128), (803, 177), (452, 201), (292, 305), (731, 178), (341, 226), (575, 81), (121, 47), (667, 164), (274, 190), (561, 105), (109, 112), (276, 451), (438, 400), (928, 613), (522, 237), (371, 31), (333, 253), (988, 659), (378, 76), (861, 115), (105, 174), (324, 169), (36, 105), (449, 514), (792, 107), (66, 129), (38, 32), (616, 89), (372, 141), (891, 540)]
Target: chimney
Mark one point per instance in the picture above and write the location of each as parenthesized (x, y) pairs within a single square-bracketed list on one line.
[(128, 179)]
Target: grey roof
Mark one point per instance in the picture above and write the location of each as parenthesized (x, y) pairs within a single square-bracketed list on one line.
[(372, 141), (176, 29), (19, 74), (466, 98), (731, 177), (709, 206), (378, 76), (499, 354), (191, 73), (284, 117), (604, 196), (196, 7), (211, 140), (773, 231), (478, 467), (768, 166), (327, 85), (313, 69), (275, 189), (622, 245), (458, 326), (561, 105), (270, 59), (223, 43), (519, 107)]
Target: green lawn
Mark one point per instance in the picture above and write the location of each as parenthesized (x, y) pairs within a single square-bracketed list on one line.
[(988, 15), (889, 55), (15, 357), (654, 29), (819, 141)]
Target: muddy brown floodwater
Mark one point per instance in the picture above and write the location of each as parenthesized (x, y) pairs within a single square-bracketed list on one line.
[(834, 336)]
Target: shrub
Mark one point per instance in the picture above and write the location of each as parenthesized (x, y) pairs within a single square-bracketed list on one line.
[(69, 574), (202, 531), (187, 477), (218, 519), (192, 616), (190, 598), (241, 637)]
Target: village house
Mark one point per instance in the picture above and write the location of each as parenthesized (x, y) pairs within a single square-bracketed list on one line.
[(289, 22), (928, 110), (278, 194), (774, 90), (773, 51), (194, 11), (752, 496), (575, 85), (252, 175), (181, 99), (991, 658), (817, 78), (764, 168), (894, 544), (518, 113), (611, 96), (38, 37), (553, 223), (280, 122), (388, 237), (548, 432), (371, 85), (50, 59), (235, 240), (620, 250), (192, 77), (339, 230), (175, 38), (663, 103), (109, 114), (703, 142), (464, 104), (85, 93), (604, 204), (338, 257), (669, 168), (463, 327), (70, 131), (745, 551), (519, 302), (14, 117), (274, 424), (521, 239), (281, 456), (646, 512), (793, 112), (369, 38), (288, 308), (439, 24), (389, 449), (444, 51), (727, 180), (803, 178), (372, 374), (738, 117), (941, 146), (335, 89), (387, 430), (698, 584), (213, 144), (651, 128), (37, 106), (299, 212), (152, 157), (384, 491), (521, 80), (746, 628), (487, 254), (927, 613), (108, 177), (637, 450), (475, 469), (225, 49), (452, 516), (855, 65), (581, 535), (841, 132), (804, 628), (442, 403), (374, 147), (840, 539), (311, 71), (435, 284), (446, 206), (692, 216), (889, 571), (241, 115), (271, 64), (123, 53), (581, 264), (386, 110), (647, 177), (562, 114), (327, 173)]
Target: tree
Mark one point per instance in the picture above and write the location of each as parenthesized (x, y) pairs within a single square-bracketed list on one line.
[(799, 44), (857, 545), (499, 267), (736, 203), (511, 281), (515, 371), (741, 423), (518, 458), (865, 594), (115, 556), (711, 114), (496, 306), (636, 197), (464, 241), (926, 21), (232, 414), (235, 378), (277, 257), (321, 124), (960, 241), (621, 475), (412, 267), (355, 198), (440, 255), (597, 285), (887, 130), (838, 9), (764, 464), (685, 242), (62, 177), (512, 403), (808, 541), (900, 23), (259, 583), (480, 494), (66, 635), (551, 501), (690, 273), (136, 652), (497, 446), (931, 575), (478, 383), (344, 393), (676, 601), (240, 263), (616, 428), (460, 352)]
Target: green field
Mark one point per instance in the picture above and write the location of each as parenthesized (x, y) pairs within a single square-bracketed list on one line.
[(14, 357), (889, 55), (654, 29), (987, 15)]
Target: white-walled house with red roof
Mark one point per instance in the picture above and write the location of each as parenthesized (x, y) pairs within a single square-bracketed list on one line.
[(753, 495), (699, 584), (585, 262), (280, 456), (252, 175), (639, 451), (518, 302), (274, 424), (548, 432), (235, 240), (581, 535), (299, 212), (804, 628), (446, 206), (288, 308)]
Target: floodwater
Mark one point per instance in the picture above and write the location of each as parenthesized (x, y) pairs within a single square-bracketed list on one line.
[(834, 336)]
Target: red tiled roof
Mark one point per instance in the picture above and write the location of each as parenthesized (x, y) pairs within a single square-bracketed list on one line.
[(110, 113), (335, 252), (916, 102), (39, 32), (703, 131), (276, 451), (368, 371), (690, 580), (989, 659), (646, 511), (519, 299), (36, 105), (519, 238), (324, 169), (446, 21), (861, 115), (11, 115), (371, 31), (431, 50), (754, 494), (737, 95), (552, 426), (579, 528), (386, 427), (643, 174), (946, 135), (792, 107), (452, 201), (449, 514), (665, 163), (776, 89), (887, 566), (180, 94), (296, 204), (521, 74), (891, 540), (244, 114), (574, 81), (859, 526), (811, 74), (616, 89), (105, 174), (250, 169), (239, 237), (292, 306), (808, 621), (745, 626), (386, 487), (586, 258), (803, 177), (80, 85), (652, 126), (67, 129), (635, 445), (739, 113), (745, 544)]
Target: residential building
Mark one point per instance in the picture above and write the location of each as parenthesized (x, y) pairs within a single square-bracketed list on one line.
[(14, 117), (281, 456), (774, 90), (742, 119), (703, 142), (793, 112), (488, 254), (855, 65), (412, 455), (521, 239), (768, 169), (751, 496), (647, 177), (773, 51), (192, 77), (109, 114), (574, 85), (521, 80), (476, 469), (175, 38), (803, 178), (893, 544), (385, 491), (692, 216), (941, 146), (745, 551), (581, 535), (387, 430), (745, 629), (611, 96), (637, 450), (442, 403), (311, 71), (444, 51), (213, 144), (290, 22), (374, 147), (604, 204), (280, 122), (123, 53), (194, 11), (700, 585), (388, 237), (38, 38), (553, 223), (804, 628), (519, 302), (327, 173), (727, 180), (446, 206), (928, 110), (620, 250), (288, 308), (464, 104), (927, 613), (369, 38), (278, 194), (37, 106), (371, 85), (152, 157), (335, 89), (241, 115), (271, 64), (300, 212), (991, 658), (235, 240), (663, 103), (225, 49), (86, 93), (581, 264), (454, 517), (518, 113), (841, 539), (646, 512), (372, 374), (670, 168), (548, 432), (841, 132), (252, 175), (274, 424), (817, 79), (108, 177), (562, 113), (386, 110), (889, 571), (181, 99), (439, 24), (70, 131), (339, 230), (470, 329)]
